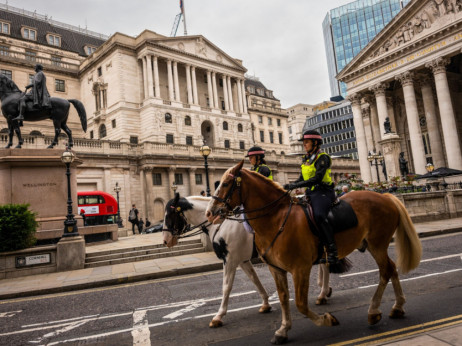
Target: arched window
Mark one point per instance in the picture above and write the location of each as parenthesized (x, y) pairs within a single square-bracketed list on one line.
[(102, 131), (168, 118), (225, 125), (187, 120), (239, 128), (35, 133)]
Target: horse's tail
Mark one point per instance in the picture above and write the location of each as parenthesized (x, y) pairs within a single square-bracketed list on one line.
[(81, 111), (408, 244)]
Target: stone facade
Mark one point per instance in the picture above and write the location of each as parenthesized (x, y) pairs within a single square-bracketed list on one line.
[(410, 73)]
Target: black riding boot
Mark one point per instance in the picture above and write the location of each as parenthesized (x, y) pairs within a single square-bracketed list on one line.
[(332, 256)]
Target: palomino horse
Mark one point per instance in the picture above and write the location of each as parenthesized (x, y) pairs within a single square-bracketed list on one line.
[(284, 239), (231, 243), (58, 113)]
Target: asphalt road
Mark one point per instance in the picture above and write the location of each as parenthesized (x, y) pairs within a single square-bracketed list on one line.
[(176, 311)]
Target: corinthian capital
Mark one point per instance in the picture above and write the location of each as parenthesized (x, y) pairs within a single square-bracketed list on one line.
[(379, 89), (438, 65), (406, 78), (355, 99), (365, 110)]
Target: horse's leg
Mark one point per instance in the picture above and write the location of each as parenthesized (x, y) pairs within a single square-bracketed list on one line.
[(323, 282), (17, 130), (280, 278), (252, 275), (301, 284), (229, 272), (69, 134), (387, 270), (57, 127), (10, 136)]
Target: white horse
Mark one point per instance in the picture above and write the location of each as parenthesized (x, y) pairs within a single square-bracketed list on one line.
[(231, 243)]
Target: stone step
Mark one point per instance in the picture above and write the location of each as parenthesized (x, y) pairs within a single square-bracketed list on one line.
[(139, 248), (131, 253), (144, 257)]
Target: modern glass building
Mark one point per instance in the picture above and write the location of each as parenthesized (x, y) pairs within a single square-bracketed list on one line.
[(349, 28)]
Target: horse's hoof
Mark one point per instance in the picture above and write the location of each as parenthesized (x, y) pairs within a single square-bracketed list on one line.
[(279, 340), (265, 309), (374, 318), (8, 147), (321, 301), (395, 313), (331, 320), (216, 324), (50, 146), (18, 147), (330, 292)]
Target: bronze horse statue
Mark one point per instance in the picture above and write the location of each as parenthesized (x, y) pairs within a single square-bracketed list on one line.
[(58, 113)]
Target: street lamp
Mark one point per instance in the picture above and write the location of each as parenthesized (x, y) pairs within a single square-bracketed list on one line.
[(70, 224), (205, 151), (174, 187), (376, 160), (117, 189), (429, 167)]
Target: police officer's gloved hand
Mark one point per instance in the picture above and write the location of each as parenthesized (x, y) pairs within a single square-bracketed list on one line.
[(287, 187)]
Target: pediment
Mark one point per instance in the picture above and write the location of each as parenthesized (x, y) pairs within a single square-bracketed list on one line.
[(202, 48), (416, 23)]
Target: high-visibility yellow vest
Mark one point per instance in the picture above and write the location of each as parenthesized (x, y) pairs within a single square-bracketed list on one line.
[(271, 172), (309, 171)]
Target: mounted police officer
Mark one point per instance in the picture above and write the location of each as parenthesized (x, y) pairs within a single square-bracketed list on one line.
[(39, 94), (315, 176), (256, 157)]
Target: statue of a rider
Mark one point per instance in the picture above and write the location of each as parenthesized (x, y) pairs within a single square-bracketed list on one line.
[(39, 94)]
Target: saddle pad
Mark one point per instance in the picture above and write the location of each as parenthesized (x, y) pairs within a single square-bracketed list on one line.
[(342, 216)]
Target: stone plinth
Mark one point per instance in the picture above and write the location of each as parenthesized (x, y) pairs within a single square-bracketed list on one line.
[(391, 148), (70, 253), (38, 177)]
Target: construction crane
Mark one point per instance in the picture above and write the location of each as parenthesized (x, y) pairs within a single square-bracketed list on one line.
[(178, 17), (176, 23)]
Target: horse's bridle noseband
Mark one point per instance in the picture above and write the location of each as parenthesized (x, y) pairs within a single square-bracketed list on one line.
[(227, 199), (178, 212)]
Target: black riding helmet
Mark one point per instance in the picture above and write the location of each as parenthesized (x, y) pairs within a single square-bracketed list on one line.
[(314, 135), (256, 151)]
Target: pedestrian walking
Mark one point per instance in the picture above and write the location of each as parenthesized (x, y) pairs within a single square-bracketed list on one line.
[(140, 225), (133, 218)]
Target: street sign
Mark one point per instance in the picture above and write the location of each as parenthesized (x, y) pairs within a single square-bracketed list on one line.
[(24, 261)]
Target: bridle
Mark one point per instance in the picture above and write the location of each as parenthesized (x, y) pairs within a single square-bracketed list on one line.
[(178, 215)]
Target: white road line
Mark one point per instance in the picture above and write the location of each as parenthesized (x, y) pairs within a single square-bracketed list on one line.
[(141, 334), (187, 309), (419, 277), (59, 331), (422, 261), (9, 313)]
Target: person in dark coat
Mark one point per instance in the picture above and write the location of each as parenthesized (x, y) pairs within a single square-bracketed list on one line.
[(39, 93), (140, 225), (133, 218)]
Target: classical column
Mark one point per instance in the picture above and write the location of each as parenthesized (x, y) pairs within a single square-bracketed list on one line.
[(413, 122), (149, 73), (194, 85), (156, 77), (209, 87), (230, 94), (432, 123), (365, 110), (145, 78), (171, 180), (188, 83), (239, 96), (192, 181), (149, 193), (225, 92), (175, 78), (391, 113), (244, 99), (170, 80), (143, 195), (364, 165), (215, 92), (448, 120), (374, 122), (381, 101)]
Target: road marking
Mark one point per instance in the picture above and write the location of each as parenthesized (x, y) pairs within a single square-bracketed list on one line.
[(65, 329), (422, 261), (421, 328), (189, 308), (141, 334), (418, 277), (9, 313)]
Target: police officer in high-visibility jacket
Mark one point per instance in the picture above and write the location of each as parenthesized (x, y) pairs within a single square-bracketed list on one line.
[(316, 178), (256, 157)]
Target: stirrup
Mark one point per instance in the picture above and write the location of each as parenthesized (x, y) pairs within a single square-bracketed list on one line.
[(19, 117)]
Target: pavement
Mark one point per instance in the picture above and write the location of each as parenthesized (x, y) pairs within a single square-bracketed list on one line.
[(171, 266)]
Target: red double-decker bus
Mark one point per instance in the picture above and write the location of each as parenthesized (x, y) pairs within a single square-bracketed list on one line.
[(99, 207)]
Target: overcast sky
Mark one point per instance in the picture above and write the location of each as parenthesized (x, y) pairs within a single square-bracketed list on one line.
[(279, 41)]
